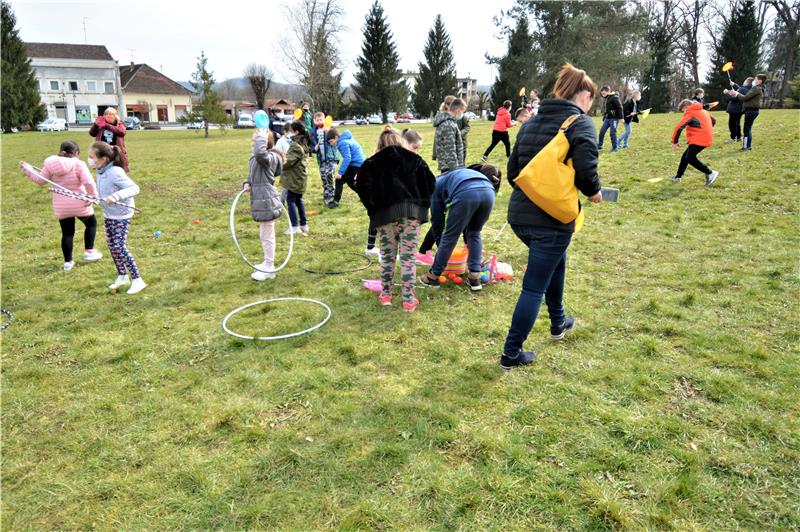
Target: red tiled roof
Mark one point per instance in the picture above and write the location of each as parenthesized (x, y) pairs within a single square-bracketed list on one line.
[(146, 80), (67, 51)]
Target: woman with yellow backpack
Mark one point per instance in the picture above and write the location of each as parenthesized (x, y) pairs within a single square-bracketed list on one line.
[(554, 157)]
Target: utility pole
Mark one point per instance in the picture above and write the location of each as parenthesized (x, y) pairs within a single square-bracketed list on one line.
[(85, 40)]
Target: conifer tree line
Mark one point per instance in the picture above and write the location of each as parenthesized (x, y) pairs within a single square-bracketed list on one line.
[(658, 46)]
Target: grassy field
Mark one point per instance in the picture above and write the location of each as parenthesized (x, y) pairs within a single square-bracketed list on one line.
[(674, 405)]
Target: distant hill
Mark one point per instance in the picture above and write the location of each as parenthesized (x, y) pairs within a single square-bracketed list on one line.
[(276, 90)]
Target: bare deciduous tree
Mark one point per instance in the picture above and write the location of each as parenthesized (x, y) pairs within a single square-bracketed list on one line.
[(789, 13), (260, 78), (687, 47), (313, 52)]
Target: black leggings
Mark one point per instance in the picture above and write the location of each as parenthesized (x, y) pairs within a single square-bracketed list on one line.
[(735, 125), (349, 177), (68, 233), (690, 157), (499, 136)]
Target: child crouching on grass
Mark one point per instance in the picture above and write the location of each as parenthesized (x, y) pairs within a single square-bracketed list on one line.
[(294, 177), (699, 136), (265, 203), (396, 185), (117, 190)]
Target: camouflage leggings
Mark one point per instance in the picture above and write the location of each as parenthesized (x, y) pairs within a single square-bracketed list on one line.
[(326, 170), (399, 236)]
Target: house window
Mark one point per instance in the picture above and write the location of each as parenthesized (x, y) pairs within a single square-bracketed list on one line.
[(73, 86), (55, 85), (91, 86), (109, 87)]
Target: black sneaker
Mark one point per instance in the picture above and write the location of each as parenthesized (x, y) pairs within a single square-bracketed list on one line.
[(558, 333), (474, 283), (429, 280), (523, 358)]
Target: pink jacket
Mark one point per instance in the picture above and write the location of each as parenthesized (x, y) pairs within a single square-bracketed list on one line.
[(73, 174), (503, 120)]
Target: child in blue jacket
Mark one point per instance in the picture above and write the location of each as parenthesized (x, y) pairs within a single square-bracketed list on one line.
[(352, 159)]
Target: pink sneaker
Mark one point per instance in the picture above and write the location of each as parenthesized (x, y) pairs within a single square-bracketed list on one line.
[(424, 259), (386, 301), (411, 307)]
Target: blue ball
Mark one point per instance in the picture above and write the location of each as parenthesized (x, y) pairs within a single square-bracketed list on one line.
[(484, 278), (157, 234)]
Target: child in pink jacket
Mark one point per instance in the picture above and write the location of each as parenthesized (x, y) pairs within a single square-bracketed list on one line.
[(70, 172)]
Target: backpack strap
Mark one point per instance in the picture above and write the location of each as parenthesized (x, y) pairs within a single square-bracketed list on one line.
[(568, 122)]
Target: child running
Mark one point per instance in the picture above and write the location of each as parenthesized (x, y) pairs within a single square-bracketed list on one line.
[(699, 136), (294, 177), (395, 185), (70, 172), (264, 166), (117, 190)]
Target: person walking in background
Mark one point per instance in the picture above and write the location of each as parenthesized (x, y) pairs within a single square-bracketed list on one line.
[(611, 116), (111, 130), (502, 123), (70, 172), (547, 238), (735, 110), (630, 112), (395, 185), (699, 136), (117, 190), (751, 103)]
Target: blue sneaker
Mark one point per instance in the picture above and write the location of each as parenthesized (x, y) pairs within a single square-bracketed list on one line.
[(523, 358), (558, 333)]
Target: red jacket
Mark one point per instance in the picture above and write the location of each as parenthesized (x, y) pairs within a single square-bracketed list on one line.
[(111, 133), (503, 120), (699, 129)]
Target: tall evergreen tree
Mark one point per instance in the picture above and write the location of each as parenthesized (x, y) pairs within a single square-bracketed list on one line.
[(209, 108), (515, 69), (661, 33), (740, 43), (21, 104), (379, 84), (437, 76)]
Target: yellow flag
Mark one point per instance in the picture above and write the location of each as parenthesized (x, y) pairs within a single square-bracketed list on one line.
[(328, 122), (522, 91), (644, 114)]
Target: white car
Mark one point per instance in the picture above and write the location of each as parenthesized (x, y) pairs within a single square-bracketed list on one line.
[(53, 124), (195, 125), (471, 115), (374, 119), (245, 121)]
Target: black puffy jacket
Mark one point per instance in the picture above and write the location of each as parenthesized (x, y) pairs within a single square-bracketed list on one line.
[(613, 107), (395, 183), (533, 136)]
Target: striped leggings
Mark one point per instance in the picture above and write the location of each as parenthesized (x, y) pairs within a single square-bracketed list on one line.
[(117, 234)]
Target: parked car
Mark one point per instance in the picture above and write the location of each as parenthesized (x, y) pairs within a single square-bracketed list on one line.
[(53, 124), (391, 118), (374, 119), (360, 121), (197, 124), (404, 118), (471, 115), (132, 123), (245, 121)]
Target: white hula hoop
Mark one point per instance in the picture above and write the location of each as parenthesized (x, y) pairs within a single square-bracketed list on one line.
[(239, 249), (282, 336)]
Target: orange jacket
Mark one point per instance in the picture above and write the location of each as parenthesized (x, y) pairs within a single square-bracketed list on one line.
[(699, 129), (503, 120)]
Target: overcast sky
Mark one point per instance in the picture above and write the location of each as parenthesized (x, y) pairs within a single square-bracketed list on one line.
[(169, 34)]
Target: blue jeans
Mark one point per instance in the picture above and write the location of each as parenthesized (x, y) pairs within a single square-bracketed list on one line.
[(608, 123), (467, 213), (296, 206), (547, 265), (623, 140), (750, 116)]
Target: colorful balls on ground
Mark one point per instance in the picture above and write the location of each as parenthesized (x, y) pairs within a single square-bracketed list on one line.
[(157, 234), (484, 278), (458, 280), (442, 279), (196, 222)]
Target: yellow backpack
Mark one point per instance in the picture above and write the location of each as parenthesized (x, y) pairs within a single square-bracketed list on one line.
[(549, 182)]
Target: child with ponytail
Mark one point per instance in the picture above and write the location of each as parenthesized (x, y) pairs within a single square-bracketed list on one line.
[(116, 192)]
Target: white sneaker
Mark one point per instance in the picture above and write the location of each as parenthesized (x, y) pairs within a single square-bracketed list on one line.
[(69, 265), (292, 230), (304, 229), (137, 285), (710, 178), (375, 252), (262, 276), (92, 254), (122, 280)]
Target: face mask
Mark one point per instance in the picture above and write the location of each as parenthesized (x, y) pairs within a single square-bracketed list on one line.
[(90, 161), (459, 117)]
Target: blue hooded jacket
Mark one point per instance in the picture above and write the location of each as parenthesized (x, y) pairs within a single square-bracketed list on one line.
[(352, 154)]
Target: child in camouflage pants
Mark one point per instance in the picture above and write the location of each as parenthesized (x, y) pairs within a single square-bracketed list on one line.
[(399, 237), (327, 158)]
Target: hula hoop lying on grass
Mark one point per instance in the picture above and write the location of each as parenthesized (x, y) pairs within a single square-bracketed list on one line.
[(339, 272), (239, 249), (282, 336), (10, 317)]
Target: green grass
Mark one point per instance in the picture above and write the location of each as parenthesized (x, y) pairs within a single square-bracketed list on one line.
[(673, 406)]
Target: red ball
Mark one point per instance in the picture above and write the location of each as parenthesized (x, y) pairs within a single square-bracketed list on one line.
[(442, 279), (458, 280), (451, 276), (196, 222)]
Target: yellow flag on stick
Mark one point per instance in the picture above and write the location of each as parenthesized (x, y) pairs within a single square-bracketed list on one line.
[(522, 91), (727, 66), (328, 122), (297, 113), (644, 114)]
